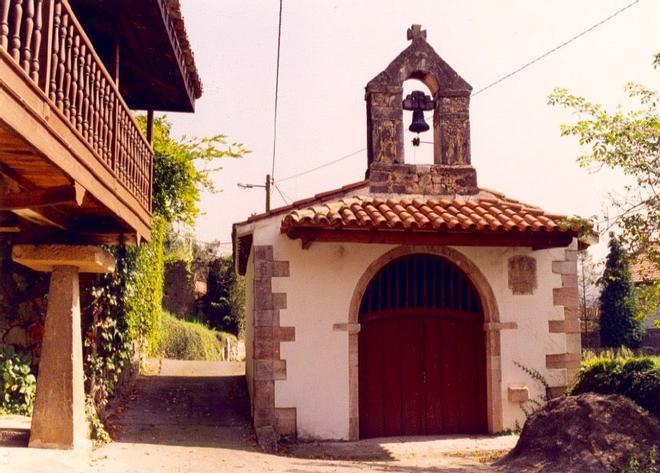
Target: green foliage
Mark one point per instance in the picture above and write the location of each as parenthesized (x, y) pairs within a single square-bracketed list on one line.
[(534, 404), (18, 383), (184, 340), (107, 348), (224, 304), (144, 289), (22, 299), (638, 378), (618, 305), (630, 142), (643, 464), (181, 172), (98, 432), (648, 296)]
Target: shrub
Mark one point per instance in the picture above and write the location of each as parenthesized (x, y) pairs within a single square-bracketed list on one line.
[(618, 304), (183, 340), (637, 378), (224, 303), (18, 383)]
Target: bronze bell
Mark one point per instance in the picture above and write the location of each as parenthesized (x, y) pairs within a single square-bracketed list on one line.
[(418, 124), (418, 101)]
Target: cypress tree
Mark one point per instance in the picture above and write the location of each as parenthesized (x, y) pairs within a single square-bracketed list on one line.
[(618, 304)]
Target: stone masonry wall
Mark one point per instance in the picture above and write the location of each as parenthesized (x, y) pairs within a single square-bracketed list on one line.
[(268, 365), (566, 296)]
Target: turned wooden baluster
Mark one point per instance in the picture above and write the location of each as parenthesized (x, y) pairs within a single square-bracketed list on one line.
[(87, 95), (61, 61), (67, 70), (80, 99), (16, 37), (74, 81), (36, 41), (4, 24), (27, 35), (95, 107), (106, 109), (55, 54)]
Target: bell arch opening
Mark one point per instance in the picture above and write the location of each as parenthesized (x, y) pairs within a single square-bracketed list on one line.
[(418, 147)]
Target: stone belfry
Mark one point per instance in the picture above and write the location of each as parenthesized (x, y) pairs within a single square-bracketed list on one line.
[(451, 171)]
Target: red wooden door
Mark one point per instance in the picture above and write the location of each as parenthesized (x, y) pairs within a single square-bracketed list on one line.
[(421, 351)]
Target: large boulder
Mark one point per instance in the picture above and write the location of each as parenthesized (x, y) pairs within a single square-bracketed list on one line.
[(585, 433)]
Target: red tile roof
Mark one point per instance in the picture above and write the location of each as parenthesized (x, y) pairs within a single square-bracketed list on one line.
[(317, 199), (486, 211)]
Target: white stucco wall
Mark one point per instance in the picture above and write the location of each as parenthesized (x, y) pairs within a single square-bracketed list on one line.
[(319, 291)]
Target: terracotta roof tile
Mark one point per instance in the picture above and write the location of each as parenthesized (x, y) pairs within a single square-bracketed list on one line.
[(486, 211)]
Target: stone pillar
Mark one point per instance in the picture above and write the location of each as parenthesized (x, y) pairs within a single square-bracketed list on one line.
[(384, 124), (58, 418), (451, 130)]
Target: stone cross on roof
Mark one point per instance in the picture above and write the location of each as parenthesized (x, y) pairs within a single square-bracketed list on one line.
[(416, 31)]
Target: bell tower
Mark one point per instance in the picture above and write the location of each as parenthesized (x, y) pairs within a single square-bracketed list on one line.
[(451, 171)]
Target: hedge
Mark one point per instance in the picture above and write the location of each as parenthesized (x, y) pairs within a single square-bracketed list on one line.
[(184, 340), (637, 378)]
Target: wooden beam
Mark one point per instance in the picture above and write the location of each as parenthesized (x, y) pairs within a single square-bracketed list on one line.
[(14, 176), (41, 217), (43, 197), (150, 127), (9, 223), (535, 240), (40, 237)]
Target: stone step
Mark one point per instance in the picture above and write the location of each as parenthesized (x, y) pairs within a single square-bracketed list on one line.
[(14, 437)]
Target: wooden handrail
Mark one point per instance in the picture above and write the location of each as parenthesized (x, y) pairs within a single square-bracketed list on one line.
[(46, 40)]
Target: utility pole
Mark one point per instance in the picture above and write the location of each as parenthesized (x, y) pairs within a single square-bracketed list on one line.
[(265, 186)]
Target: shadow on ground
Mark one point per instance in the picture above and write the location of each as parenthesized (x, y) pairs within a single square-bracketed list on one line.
[(183, 409)]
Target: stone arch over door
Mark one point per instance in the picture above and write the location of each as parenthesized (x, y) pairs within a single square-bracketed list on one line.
[(491, 327)]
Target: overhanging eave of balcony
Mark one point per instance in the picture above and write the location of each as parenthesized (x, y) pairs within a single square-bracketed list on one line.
[(64, 123)]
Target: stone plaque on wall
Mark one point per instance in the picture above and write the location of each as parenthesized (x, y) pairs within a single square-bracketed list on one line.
[(522, 275)]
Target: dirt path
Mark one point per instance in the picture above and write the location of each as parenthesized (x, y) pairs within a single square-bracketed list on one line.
[(194, 417)]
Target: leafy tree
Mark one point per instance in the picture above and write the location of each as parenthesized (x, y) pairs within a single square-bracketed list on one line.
[(182, 172), (618, 305), (628, 141), (225, 296)]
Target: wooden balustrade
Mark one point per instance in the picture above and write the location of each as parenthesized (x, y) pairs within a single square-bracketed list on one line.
[(46, 40)]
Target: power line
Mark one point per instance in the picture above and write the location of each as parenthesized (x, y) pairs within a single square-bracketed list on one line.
[(492, 84), (277, 86), (329, 163), (556, 48), (279, 191)]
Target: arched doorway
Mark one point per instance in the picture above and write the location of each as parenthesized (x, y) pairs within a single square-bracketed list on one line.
[(422, 359)]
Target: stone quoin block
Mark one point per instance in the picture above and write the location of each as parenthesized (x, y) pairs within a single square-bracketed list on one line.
[(287, 334), (564, 267), (518, 394), (566, 296), (563, 360), (285, 421)]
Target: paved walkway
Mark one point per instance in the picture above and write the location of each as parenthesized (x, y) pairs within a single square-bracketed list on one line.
[(194, 417)]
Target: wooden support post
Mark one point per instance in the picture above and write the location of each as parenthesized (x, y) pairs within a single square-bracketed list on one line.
[(150, 126)]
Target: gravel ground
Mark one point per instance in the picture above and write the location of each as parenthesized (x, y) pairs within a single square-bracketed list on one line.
[(194, 417)]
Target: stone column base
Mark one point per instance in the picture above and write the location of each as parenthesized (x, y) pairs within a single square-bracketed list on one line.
[(58, 418)]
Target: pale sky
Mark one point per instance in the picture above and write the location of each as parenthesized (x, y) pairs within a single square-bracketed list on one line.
[(332, 48)]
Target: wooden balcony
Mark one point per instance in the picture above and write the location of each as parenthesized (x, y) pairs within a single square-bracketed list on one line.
[(74, 164)]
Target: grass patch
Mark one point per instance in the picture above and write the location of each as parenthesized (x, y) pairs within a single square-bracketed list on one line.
[(184, 340)]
